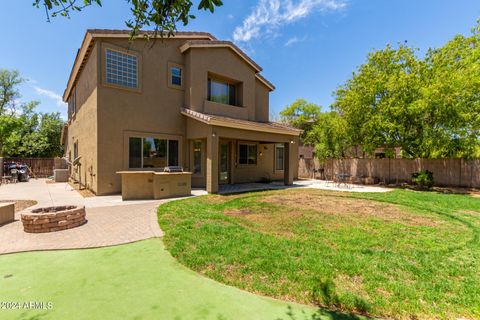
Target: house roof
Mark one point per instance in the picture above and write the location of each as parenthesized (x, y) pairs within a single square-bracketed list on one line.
[(220, 44), (221, 121), (195, 40), (267, 83), (89, 40), (230, 45)]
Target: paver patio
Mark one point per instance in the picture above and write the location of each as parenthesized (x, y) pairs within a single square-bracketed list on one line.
[(111, 221)]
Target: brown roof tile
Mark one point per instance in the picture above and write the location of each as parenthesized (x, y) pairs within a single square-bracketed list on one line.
[(239, 123)]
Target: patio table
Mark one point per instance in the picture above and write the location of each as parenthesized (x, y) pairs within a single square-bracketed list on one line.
[(342, 178)]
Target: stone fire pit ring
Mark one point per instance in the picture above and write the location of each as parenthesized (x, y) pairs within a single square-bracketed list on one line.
[(51, 219)]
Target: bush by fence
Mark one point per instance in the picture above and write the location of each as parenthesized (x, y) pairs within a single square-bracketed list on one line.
[(446, 172)]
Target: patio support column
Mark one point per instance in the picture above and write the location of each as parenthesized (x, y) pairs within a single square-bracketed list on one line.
[(212, 162), (288, 165)]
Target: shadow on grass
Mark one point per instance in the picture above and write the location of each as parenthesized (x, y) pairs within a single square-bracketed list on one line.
[(38, 316), (320, 314)]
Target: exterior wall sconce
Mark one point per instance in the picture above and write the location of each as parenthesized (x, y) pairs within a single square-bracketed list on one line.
[(214, 134), (292, 142), (261, 153)]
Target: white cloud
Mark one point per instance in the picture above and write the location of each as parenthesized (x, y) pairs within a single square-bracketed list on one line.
[(269, 15), (50, 94), (293, 40)]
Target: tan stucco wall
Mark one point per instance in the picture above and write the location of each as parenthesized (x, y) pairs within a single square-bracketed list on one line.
[(155, 110), (224, 62), (265, 167), (107, 116), (261, 102), (83, 125), (7, 212), (154, 185)]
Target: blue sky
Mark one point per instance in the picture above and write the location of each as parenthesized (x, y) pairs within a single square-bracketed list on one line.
[(306, 47)]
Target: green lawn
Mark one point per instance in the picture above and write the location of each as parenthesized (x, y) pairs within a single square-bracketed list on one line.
[(401, 254), (134, 281)]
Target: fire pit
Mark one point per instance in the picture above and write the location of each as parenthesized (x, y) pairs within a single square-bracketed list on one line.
[(50, 219)]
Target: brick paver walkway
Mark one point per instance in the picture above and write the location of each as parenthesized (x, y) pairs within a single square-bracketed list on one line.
[(106, 226)]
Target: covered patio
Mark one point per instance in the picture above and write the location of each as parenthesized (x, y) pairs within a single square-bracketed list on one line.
[(225, 151)]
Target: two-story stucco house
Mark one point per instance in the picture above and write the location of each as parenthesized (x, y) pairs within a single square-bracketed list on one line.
[(189, 100)]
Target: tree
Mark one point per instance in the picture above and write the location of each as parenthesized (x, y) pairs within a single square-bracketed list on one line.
[(162, 15), (324, 130), (380, 102), (429, 107), (330, 136), (451, 98), (24, 132), (9, 80), (301, 115)]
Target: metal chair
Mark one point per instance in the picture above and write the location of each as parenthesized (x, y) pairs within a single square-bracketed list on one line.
[(14, 176)]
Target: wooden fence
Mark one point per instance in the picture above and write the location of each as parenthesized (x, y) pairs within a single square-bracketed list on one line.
[(446, 172), (41, 167)]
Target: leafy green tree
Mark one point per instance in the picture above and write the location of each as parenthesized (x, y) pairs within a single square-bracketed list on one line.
[(330, 136), (23, 131), (35, 135), (380, 102), (162, 15), (9, 81), (450, 99), (301, 114)]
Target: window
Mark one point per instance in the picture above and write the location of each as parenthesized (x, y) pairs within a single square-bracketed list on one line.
[(176, 74), (197, 157), (73, 102), (121, 69), (247, 154), (152, 153), (279, 157), (75, 150), (221, 92)]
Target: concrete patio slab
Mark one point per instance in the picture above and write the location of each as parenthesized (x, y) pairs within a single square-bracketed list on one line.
[(111, 221), (315, 184), (54, 194)]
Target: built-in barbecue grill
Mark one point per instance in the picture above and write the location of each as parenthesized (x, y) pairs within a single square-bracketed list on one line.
[(173, 169)]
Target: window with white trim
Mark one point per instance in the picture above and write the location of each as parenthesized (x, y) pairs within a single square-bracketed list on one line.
[(176, 76), (121, 69)]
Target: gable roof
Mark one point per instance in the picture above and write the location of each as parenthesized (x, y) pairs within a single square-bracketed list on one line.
[(220, 44), (194, 40), (88, 41), (221, 121)]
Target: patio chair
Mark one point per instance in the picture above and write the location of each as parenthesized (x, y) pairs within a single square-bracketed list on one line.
[(14, 176)]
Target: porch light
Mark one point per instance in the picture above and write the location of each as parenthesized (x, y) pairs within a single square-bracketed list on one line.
[(292, 142), (214, 134)]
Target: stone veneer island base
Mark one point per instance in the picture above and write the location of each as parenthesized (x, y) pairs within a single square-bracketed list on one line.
[(50, 219)]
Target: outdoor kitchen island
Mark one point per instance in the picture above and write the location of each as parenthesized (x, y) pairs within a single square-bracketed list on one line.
[(138, 185)]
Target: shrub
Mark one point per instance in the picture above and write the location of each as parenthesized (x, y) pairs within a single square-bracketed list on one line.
[(423, 179)]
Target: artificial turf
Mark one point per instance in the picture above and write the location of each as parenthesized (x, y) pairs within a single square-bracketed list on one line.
[(134, 281)]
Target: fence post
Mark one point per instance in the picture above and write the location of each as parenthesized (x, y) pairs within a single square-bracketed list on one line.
[(1, 166)]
